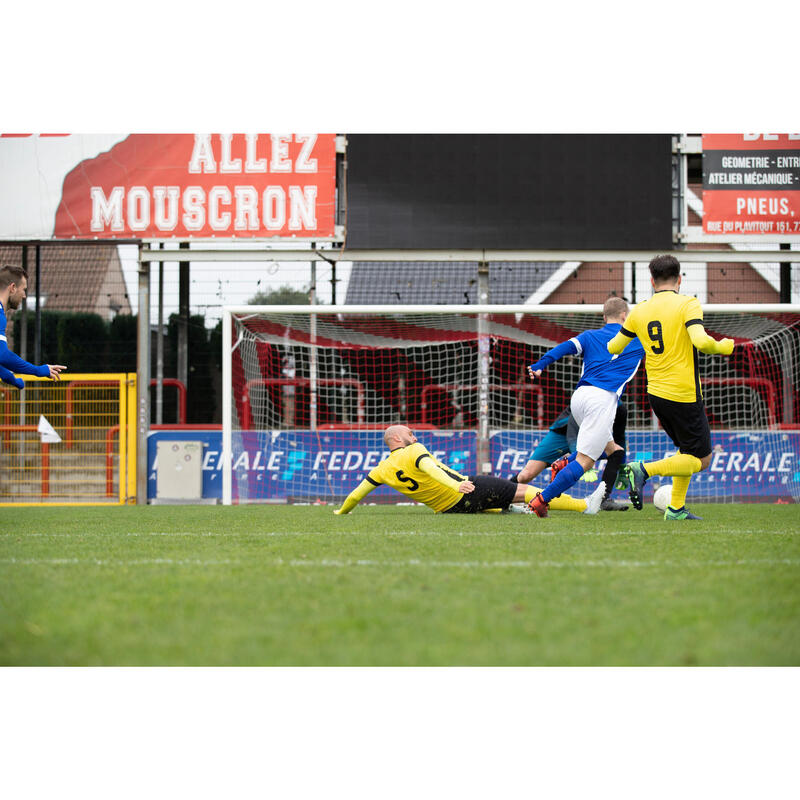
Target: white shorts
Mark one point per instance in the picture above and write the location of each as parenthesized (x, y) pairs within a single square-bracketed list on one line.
[(594, 410)]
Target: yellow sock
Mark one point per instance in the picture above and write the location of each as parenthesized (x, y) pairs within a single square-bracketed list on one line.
[(564, 502), (680, 485), (679, 464), (567, 503)]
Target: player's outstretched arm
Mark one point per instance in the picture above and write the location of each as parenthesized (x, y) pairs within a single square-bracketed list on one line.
[(353, 499), (12, 380), (707, 344), (568, 348), (14, 363)]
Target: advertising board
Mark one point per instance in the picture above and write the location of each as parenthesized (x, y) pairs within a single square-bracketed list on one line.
[(285, 465), (751, 183), (165, 186)]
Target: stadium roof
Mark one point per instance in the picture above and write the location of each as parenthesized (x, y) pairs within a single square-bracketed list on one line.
[(455, 282)]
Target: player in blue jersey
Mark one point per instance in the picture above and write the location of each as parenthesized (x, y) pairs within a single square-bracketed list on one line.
[(594, 401), (561, 440), (13, 286)]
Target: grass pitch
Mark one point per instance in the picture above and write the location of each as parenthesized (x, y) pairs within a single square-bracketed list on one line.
[(394, 585)]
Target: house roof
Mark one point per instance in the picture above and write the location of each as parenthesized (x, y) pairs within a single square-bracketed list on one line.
[(83, 278)]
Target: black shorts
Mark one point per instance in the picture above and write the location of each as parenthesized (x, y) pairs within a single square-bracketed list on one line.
[(685, 423), (620, 424), (489, 492)]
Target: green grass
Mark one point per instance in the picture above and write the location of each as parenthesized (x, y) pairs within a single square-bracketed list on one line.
[(200, 585)]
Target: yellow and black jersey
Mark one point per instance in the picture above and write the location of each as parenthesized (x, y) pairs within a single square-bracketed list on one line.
[(661, 324), (406, 470)]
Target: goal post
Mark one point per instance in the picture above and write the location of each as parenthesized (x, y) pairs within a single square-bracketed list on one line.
[(309, 390)]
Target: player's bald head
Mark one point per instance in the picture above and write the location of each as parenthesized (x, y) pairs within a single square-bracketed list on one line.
[(398, 435)]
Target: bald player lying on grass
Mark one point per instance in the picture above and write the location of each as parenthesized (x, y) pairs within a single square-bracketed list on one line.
[(414, 472)]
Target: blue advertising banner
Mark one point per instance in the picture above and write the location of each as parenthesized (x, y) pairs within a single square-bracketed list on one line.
[(747, 465), (279, 465), (302, 464), (274, 465)]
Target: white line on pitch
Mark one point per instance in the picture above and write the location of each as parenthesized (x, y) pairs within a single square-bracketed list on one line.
[(412, 562), (115, 562), (225, 534)]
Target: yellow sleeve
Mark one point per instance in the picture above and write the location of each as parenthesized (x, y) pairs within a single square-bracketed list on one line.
[(619, 343), (706, 344), (430, 467), (352, 500), (447, 468)]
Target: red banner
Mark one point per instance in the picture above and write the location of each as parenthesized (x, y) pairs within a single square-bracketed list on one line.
[(751, 183), (158, 186)]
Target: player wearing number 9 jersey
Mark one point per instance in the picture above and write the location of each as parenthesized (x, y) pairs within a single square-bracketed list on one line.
[(414, 472), (670, 327)]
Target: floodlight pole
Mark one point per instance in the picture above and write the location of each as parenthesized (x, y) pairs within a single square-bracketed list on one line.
[(183, 319), (38, 340), (312, 367), (142, 382), (160, 346)]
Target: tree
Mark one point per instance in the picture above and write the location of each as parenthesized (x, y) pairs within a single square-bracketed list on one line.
[(284, 295)]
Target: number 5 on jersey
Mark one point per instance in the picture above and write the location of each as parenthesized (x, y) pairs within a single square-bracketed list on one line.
[(403, 478)]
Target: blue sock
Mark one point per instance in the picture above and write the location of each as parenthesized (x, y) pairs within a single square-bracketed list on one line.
[(571, 457), (568, 476)]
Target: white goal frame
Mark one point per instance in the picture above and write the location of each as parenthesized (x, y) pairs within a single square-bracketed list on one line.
[(480, 310)]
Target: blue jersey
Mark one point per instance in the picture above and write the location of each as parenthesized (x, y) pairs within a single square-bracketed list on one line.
[(600, 368), (13, 362)]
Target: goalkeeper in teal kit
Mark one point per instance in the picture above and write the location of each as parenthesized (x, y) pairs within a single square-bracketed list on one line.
[(13, 286)]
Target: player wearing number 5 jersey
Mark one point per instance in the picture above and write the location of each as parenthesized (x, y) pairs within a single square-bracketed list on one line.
[(670, 326), (414, 472)]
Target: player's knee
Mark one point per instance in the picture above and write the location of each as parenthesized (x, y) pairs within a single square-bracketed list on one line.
[(529, 471), (705, 461)]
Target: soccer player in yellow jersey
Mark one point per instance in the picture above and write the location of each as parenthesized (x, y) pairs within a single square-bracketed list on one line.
[(670, 327), (413, 471)]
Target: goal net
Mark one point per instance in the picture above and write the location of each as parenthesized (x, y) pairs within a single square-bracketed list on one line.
[(309, 390)]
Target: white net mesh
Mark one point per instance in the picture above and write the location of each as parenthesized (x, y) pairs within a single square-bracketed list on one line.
[(312, 393)]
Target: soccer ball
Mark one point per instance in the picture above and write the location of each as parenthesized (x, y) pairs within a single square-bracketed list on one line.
[(662, 496)]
